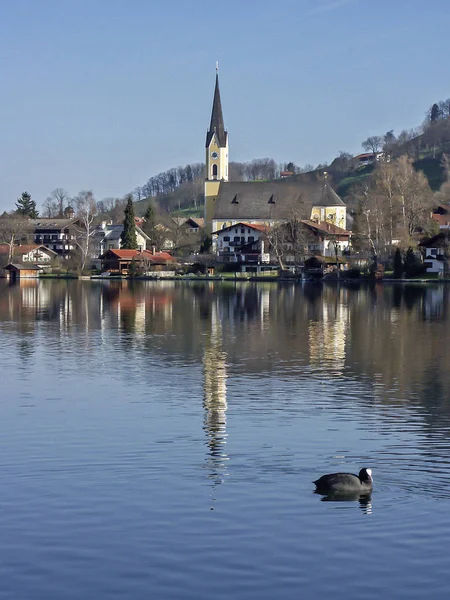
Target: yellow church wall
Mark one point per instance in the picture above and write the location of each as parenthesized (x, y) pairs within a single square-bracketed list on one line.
[(334, 214), (211, 193)]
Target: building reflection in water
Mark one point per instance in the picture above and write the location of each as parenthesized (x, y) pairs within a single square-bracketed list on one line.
[(215, 400), (327, 336)]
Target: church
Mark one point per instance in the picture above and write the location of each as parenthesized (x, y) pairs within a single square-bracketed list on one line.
[(309, 195)]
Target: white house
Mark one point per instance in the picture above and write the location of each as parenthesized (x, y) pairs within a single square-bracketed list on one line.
[(107, 237), (435, 261), (241, 243), (30, 253)]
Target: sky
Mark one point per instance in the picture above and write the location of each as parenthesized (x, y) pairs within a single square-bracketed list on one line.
[(102, 94)]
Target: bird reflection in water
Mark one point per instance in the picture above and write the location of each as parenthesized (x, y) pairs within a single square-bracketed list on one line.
[(215, 404), (365, 502)]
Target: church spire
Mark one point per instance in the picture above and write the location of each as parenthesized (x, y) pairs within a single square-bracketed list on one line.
[(216, 126)]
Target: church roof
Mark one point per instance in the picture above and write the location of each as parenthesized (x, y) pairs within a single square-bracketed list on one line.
[(329, 197), (217, 126), (271, 200)]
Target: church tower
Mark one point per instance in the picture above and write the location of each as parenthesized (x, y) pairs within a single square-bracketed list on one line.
[(216, 154)]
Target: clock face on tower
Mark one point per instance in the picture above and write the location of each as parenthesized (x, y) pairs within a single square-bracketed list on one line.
[(214, 155)]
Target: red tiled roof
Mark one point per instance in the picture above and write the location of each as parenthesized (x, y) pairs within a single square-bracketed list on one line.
[(157, 257), (21, 250), (257, 226), (442, 220)]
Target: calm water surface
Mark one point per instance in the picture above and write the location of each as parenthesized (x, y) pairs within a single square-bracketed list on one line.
[(159, 440)]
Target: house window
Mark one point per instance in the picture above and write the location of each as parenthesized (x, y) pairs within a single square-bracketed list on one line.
[(236, 238), (226, 238), (242, 230), (251, 239)]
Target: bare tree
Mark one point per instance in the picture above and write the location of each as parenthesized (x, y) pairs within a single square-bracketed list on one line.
[(138, 194), (396, 202), (414, 195), (275, 236), (50, 208), (58, 198), (12, 232), (373, 144), (86, 211)]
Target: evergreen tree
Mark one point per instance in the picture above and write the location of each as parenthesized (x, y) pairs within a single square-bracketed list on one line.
[(128, 237), (435, 113), (410, 263), (398, 264), (26, 206), (149, 224)]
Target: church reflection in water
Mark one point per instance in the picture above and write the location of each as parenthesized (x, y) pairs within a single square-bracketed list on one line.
[(215, 400)]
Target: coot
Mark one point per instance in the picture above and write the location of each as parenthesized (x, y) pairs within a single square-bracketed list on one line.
[(345, 483)]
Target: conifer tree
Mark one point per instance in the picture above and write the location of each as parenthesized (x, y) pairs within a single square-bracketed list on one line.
[(150, 223), (435, 113), (128, 237), (398, 264), (26, 207), (410, 263)]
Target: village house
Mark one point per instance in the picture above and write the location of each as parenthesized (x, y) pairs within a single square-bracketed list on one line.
[(29, 253), (436, 251), (122, 262), (242, 243), (58, 235), (247, 245), (107, 237), (441, 216)]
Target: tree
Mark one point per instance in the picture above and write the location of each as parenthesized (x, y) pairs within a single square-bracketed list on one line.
[(359, 238), (58, 198), (396, 201), (297, 235), (86, 210), (445, 164), (50, 208), (410, 263), (414, 195), (12, 232), (389, 141), (128, 238), (372, 144), (434, 113), (138, 193), (149, 226), (275, 237), (398, 264), (26, 206), (343, 163)]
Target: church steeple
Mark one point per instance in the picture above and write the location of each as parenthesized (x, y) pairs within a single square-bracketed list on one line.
[(217, 126), (216, 154)]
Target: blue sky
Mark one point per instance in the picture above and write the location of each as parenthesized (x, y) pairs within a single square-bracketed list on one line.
[(102, 94)]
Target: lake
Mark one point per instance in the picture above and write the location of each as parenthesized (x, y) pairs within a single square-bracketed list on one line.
[(159, 440)]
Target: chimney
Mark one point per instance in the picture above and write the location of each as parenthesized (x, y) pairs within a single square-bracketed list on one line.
[(153, 250)]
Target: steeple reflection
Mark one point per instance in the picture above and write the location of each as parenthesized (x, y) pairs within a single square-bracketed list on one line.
[(215, 400)]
